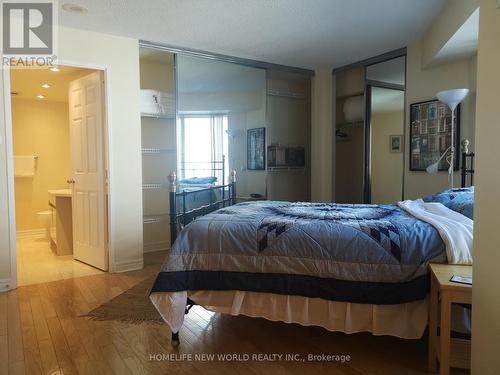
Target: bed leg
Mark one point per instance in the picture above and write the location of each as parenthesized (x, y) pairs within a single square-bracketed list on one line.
[(175, 339)]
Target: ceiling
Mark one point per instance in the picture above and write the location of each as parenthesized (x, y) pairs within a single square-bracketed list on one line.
[(301, 33), (27, 83)]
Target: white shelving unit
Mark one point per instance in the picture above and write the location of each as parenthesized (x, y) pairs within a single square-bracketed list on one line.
[(159, 154)]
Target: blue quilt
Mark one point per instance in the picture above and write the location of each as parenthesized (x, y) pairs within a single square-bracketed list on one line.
[(357, 253)]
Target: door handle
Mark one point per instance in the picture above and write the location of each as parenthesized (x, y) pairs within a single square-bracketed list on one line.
[(70, 181)]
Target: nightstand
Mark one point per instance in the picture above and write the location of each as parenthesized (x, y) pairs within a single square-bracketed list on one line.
[(449, 351)]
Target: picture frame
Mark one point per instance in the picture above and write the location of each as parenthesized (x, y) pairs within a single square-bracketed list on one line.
[(256, 149), (396, 143), (430, 134)]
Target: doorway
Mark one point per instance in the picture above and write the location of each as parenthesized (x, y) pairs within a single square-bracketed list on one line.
[(60, 164)]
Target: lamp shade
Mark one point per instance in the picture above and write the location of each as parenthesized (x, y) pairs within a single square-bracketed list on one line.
[(452, 97), (433, 168)]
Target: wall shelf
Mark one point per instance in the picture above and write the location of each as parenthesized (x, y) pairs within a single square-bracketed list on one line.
[(168, 116), (350, 124), (286, 94), (152, 150), (285, 169), (154, 219), (152, 186)]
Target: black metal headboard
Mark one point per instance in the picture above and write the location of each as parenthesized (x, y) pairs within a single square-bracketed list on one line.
[(467, 169), (181, 216)]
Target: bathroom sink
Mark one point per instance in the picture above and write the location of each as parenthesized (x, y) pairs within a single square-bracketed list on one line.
[(53, 194)]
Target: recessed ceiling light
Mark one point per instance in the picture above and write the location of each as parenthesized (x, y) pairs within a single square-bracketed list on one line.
[(40, 96), (46, 86), (54, 69), (74, 8)]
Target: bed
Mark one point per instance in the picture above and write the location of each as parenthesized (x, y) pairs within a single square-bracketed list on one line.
[(194, 192), (344, 267)]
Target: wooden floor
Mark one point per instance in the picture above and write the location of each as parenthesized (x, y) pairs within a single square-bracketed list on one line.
[(41, 333)]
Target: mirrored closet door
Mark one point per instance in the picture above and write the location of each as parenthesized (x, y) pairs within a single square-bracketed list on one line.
[(221, 107), (385, 114)]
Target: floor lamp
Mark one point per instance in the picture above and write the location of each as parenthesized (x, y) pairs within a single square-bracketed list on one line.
[(451, 98)]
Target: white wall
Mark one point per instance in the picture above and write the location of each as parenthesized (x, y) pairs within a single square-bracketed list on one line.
[(485, 289), (322, 136), (121, 57), (7, 276), (423, 84)]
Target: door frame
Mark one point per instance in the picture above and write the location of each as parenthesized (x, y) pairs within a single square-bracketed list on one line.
[(9, 145)]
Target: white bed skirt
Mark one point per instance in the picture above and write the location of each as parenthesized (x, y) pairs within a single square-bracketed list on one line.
[(406, 320)]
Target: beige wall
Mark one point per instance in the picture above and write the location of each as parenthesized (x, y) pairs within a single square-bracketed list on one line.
[(423, 84), (322, 136), (348, 168), (121, 58), (485, 290), (40, 128), (387, 167)]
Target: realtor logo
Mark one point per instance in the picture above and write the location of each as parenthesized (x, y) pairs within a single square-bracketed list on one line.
[(28, 33)]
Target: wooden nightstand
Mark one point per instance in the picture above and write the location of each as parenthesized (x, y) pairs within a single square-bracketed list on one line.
[(450, 351)]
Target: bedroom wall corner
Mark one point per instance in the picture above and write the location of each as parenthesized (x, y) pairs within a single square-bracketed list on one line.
[(422, 84), (485, 296), (322, 137)]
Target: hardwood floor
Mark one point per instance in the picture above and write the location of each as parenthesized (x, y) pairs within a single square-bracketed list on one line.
[(41, 333)]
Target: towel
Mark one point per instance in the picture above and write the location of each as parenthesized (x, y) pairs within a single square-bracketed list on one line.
[(455, 229), (24, 166)]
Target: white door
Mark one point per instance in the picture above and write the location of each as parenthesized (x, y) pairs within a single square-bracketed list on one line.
[(87, 157)]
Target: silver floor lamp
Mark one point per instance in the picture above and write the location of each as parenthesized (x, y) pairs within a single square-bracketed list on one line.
[(451, 98)]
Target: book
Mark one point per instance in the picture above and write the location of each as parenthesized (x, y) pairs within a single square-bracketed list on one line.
[(461, 279)]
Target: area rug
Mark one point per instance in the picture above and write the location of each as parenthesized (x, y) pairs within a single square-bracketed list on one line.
[(132, 306)]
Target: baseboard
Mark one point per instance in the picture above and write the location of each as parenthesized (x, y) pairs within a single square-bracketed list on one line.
[(156, 246), (129, 265), (5, 285), (31, 234)]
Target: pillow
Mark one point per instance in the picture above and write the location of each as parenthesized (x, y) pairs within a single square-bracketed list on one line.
[(198, 180), (460, 200)]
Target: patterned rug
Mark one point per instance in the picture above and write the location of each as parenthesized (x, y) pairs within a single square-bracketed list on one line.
[(132, 306)]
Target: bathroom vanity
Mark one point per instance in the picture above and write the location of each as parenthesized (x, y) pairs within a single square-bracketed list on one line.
[(61, 232)]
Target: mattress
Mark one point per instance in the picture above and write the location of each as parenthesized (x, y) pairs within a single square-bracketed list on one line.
[(372, 254)]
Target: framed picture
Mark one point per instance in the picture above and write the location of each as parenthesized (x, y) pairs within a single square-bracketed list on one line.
[(395, 143), (430, 134), (256, 149)]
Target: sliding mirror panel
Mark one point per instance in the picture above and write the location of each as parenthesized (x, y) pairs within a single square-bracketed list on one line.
[(221, 125), (387, 128), (158, 131), (349, 135), (385, 113), (289, 134)]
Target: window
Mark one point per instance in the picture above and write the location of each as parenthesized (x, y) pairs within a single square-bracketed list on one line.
[(203, 146)]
